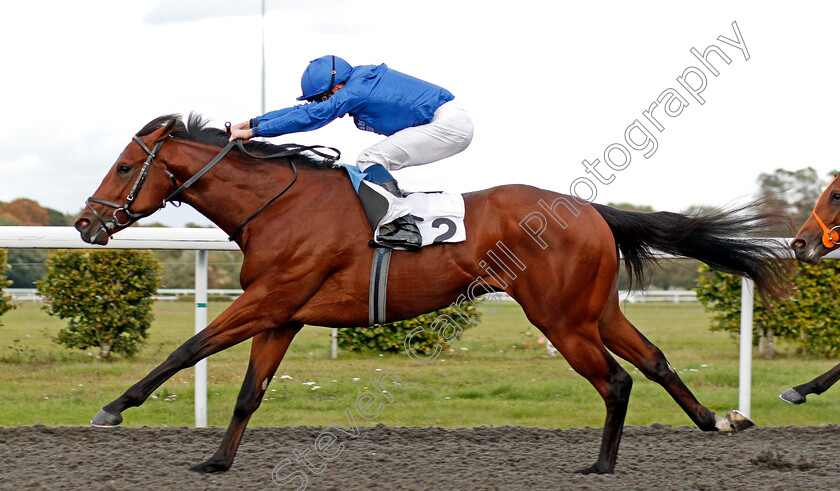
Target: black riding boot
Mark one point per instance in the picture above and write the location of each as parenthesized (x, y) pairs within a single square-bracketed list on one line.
[(403, 231)]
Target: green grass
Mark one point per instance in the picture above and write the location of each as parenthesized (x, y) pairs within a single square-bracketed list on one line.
[(496, 375)]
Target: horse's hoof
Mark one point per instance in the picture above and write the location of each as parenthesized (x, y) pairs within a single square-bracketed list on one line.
[(594, 469), (792, 397), (738, 421), (209, 467), (105, 419)]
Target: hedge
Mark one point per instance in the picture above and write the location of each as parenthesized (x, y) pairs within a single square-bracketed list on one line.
[(421, 335), (5, 300), (810, 319)]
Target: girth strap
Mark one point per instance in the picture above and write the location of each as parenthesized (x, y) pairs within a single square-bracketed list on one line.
[(378, 285)]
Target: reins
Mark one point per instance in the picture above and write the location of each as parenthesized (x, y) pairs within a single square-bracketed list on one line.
[(150, 160), (297, 149)]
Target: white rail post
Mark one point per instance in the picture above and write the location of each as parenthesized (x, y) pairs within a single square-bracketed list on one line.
[(200, 323), (745, 371)]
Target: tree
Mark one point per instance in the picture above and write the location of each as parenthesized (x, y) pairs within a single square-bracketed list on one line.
[(107, 295), (793, 193), (24, 211), (5, 301)]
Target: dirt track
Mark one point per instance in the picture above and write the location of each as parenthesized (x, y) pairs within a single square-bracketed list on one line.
[(651, 457)]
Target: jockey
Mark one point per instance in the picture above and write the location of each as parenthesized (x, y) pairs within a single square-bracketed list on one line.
[(423, 123)]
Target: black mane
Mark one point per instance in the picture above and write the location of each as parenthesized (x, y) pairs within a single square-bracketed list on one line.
[(195, 129)]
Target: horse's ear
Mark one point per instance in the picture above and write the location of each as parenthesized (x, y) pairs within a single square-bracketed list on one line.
[(159, 128), (162, 132), (169, 127)]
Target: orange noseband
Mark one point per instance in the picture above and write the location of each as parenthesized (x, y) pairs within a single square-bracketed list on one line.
[(830, 237)]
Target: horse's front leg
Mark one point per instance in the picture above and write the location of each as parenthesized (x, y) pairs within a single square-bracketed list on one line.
[(267, 350), (243, 319), (797, 394)]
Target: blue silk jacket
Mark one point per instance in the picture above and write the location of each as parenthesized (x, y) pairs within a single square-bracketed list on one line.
[(380, 100)]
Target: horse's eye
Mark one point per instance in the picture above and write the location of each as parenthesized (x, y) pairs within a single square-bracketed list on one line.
[(123, 169), (835, 196)]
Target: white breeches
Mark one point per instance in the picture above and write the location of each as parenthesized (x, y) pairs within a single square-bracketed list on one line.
[(449, 132)]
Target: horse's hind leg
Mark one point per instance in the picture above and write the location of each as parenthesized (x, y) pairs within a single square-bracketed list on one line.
[(819, 385), (267, 350), (585, 352), (623, 339)]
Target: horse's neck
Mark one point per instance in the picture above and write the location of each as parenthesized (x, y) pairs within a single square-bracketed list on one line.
[(238, 186)]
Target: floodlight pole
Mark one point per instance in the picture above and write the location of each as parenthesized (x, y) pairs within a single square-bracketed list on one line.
[(262, 101)]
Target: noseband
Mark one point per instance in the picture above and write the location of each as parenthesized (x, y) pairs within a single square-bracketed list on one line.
[(830, 236), (131, 217)]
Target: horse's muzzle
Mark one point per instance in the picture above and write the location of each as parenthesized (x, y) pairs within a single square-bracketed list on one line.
[(91, 231), (806, 251)]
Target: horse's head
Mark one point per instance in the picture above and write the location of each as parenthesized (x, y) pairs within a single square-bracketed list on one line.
[(821, 232), (136, 186)]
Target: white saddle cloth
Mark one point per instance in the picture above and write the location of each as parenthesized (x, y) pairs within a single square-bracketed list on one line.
[(439, 216)]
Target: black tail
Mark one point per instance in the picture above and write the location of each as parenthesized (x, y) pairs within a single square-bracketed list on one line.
[(719, 238)]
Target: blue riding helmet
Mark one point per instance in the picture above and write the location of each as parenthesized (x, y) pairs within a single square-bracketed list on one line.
[(322, 74)]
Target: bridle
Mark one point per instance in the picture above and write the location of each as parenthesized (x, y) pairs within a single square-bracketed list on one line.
[(125, 209), (830, 236), (132, 216)]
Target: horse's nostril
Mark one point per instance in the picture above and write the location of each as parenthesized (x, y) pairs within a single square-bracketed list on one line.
[(798, 244), (82, 224)]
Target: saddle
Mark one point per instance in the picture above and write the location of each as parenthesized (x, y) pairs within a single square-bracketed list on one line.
[(439, 218)]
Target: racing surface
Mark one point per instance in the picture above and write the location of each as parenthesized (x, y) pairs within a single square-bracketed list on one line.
[(380, 457)]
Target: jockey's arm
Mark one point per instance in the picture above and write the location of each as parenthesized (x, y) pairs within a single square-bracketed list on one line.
[(305, 117)]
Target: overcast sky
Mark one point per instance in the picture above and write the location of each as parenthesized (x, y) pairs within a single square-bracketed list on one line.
[(549, 85)]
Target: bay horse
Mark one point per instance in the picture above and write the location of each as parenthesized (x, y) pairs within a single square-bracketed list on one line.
[(307, 261), (818, 236)]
